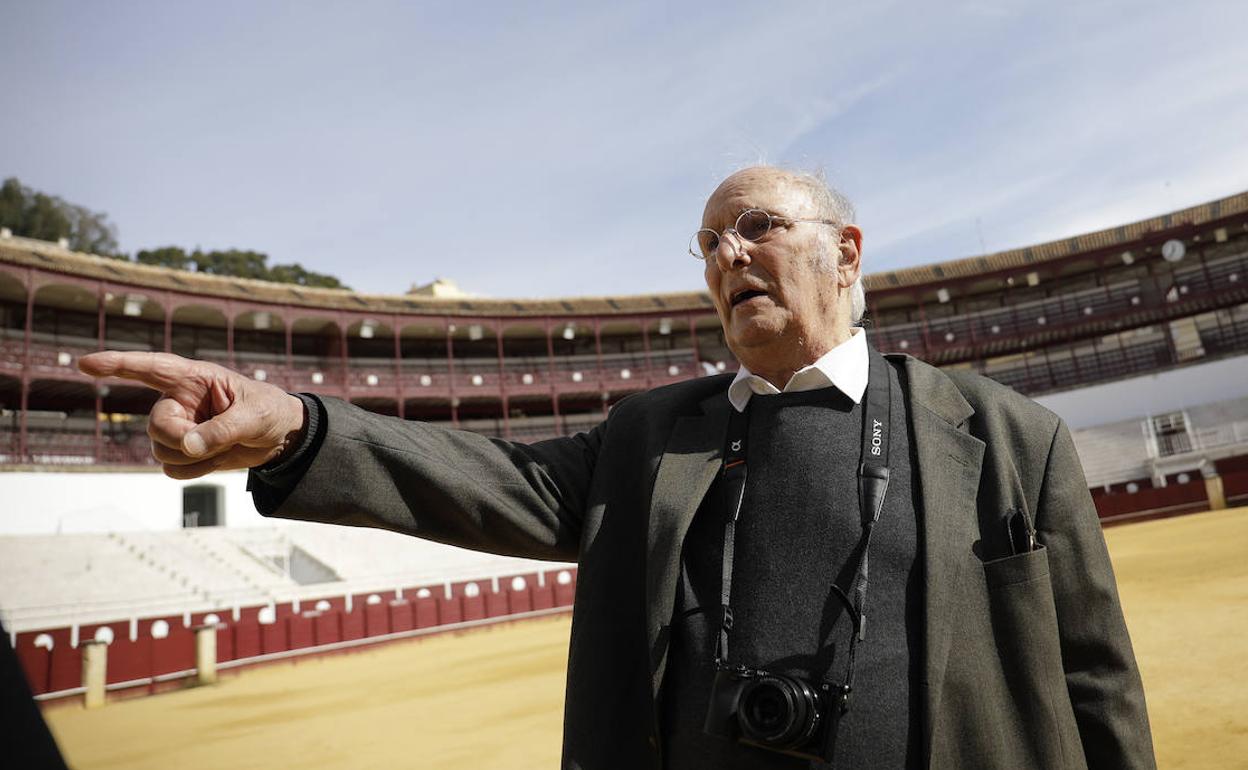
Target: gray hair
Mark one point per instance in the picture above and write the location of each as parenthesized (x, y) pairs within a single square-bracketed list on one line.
[(832, 204)]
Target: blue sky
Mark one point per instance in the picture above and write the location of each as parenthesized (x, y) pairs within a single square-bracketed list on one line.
[(566, 149)]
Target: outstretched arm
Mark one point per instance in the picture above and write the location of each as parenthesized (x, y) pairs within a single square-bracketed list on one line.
[(369, 470), (447, 485)]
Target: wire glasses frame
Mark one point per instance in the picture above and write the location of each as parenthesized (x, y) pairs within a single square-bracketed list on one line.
[(751, 225)]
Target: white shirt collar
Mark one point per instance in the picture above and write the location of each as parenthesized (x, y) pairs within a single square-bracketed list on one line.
[(844, 366)]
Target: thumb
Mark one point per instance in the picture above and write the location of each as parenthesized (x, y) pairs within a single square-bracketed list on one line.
[(216, 435)]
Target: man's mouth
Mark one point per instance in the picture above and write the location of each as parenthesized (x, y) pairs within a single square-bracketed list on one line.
[(745, 295)]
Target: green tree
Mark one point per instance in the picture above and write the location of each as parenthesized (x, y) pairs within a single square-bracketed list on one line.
[(36, 215), (12, 204), (234, 262), (46, 217), (295, 273), (165, 256)]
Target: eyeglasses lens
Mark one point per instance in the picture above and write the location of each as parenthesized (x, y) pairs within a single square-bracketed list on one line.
[(753, 224), (708, 242)]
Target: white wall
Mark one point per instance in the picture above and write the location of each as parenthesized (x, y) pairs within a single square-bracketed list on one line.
[(47, 502)]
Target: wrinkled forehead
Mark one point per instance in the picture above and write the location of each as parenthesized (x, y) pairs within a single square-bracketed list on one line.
[(773, 190)]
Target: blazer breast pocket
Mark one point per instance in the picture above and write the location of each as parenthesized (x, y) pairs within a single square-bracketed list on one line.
[(1019, 568)]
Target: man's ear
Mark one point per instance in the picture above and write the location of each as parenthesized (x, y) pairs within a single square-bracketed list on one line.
[(849, 263)]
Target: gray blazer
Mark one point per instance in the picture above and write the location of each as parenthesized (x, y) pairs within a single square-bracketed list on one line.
[(1027, 661)]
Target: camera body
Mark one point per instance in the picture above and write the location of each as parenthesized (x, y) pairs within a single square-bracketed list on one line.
[(781, 713)]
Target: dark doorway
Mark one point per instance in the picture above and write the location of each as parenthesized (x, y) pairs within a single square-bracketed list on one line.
[(201, 506)]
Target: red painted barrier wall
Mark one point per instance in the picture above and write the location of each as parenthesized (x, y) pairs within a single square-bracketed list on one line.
[(450, 610), (426, 612), (327, 627), (175, 652), (1173, 498), (564, 594), (543, 596), (353, 624), (129, 660), (519, 601), (145, 624), (376, 620), (225, 644), (246, 614), (146, 656), (495, 603), (1235, 487), (35, 661), (401, 616), (273, 637), (246, 639), (473, 607), (299, 632), (64, 668)]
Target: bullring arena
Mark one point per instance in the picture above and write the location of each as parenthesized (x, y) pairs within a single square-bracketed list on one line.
[(493, 698), (334, 647)]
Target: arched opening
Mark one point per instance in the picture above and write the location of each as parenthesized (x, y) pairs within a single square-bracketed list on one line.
[(671, 350), (133, 321), (483, 414), (199, 331), (123, 427), (65, 326), (476, 358), (260, 346), (579, 413), (426, 409), (10, 392), (370, 339), (424, 366), (12, 317), (316, 361), (10, 418), (530, 418), (623, 355), (60, 422), (573, 338), (714, 357), (370, 346), (525, 357)]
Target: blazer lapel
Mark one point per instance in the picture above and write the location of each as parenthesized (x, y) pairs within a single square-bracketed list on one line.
[(686, 471), (949, 460)]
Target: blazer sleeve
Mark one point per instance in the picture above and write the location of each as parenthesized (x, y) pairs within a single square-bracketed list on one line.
[(1101, 674), (450, 486)]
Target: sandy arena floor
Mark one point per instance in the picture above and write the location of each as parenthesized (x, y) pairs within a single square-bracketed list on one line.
[(492, 698)]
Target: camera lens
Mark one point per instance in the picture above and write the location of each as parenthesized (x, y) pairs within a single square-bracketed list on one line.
[(779, 711)]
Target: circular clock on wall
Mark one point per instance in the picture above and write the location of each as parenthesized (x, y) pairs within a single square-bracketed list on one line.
[(1173, 250)]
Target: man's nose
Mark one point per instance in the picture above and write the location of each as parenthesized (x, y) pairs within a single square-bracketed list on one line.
[(730, 253)]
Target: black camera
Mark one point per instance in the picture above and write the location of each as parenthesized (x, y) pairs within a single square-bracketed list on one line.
[(786, 714)]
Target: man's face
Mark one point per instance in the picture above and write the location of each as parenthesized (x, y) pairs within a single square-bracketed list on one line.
[(795, 308)]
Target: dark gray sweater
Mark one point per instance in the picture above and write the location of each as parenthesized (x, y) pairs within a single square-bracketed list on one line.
[(799, 531)]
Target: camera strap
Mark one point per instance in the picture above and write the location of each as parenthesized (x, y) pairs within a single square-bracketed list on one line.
[(872, 486)]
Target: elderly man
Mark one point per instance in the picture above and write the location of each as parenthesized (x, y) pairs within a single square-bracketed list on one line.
[(721, 617)]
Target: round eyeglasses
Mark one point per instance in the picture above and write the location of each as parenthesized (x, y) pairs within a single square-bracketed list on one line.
[(751, 225)]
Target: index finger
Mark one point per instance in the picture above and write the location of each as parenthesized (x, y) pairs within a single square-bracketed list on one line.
[(162, 371)]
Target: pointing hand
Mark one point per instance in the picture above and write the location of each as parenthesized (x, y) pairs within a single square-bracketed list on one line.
[(209, 418)]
